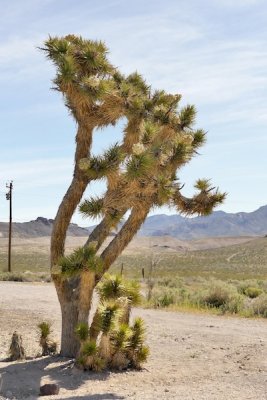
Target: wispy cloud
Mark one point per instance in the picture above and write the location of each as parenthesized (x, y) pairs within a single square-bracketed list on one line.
[(37, 173)]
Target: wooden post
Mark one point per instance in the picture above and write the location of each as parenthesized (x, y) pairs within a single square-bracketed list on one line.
[(121, 269), (9, 197), (143, 273)]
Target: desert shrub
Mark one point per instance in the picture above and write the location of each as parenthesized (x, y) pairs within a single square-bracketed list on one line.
[(165, 300), (13, 276), (259, 305), (250, 288), (163, 297), (263, 285), (223, 296), (170, 282), (253, 292), (234, 305), (217, 296)]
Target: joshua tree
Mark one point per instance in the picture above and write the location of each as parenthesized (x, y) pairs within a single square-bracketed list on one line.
[(140, 172)]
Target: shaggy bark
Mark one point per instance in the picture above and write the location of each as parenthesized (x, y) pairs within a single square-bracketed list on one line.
[(72, 196), (75, 296), (69, 290)]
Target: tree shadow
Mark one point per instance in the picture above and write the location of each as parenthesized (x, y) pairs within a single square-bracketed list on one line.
[(23, 379), (104, 396)]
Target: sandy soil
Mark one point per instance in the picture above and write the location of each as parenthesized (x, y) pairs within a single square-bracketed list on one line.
[(193, 356), (138, 244)]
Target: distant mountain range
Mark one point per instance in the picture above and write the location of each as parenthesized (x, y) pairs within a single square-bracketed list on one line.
[(218, 224), (37, 228)]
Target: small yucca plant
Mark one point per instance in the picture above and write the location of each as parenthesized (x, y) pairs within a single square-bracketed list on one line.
[(48, 346), (137, 351), (120, 346), (89, 357), (114, 287), (120, 341), (140, 357), (109, 313)]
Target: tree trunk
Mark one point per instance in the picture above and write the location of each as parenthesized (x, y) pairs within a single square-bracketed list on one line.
[(75, 295), (69, 342)]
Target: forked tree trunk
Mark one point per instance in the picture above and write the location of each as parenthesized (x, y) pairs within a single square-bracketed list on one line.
[(74, 293), (75, 296)]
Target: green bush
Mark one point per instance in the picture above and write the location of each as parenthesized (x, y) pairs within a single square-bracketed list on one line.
[(13, 276), (259, 305), (217, 296), (234, 305), (245, 287), (166, 300), (222, 296), (253, 292)]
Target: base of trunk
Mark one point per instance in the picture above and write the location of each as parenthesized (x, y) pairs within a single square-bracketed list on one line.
[(70, 344)]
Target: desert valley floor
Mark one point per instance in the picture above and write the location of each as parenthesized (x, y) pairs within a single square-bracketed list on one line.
[(193, 356)]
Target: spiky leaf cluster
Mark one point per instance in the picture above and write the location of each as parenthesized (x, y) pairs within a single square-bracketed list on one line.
[(109, 313), (112, 287), (82, 258), (45, 329), (92, 207), (82, 331)]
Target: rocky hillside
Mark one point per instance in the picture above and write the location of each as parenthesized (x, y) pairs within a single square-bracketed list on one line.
[(217, 224), (38, 228)]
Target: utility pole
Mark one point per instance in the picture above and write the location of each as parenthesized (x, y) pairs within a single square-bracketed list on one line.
[(9, 197)]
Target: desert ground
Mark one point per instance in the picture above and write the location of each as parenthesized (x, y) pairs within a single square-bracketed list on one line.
[(194, 356)]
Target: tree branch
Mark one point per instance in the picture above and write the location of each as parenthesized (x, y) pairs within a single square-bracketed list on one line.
[(125, 235), (72, 196)]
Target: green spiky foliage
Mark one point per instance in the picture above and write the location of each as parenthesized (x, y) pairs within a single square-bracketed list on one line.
[(89, 349), (45, 329), (82, 258), (120, 345), (111, 287), (89, 358), (137, 336), (82, 331), (137, 351), (48, 346), (120, 337), (92, 207), (108, 312)]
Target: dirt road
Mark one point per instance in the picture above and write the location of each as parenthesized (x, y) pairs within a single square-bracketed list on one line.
[(193, 356)]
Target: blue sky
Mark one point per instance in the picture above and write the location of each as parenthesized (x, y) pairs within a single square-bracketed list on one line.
[(213, 52)]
